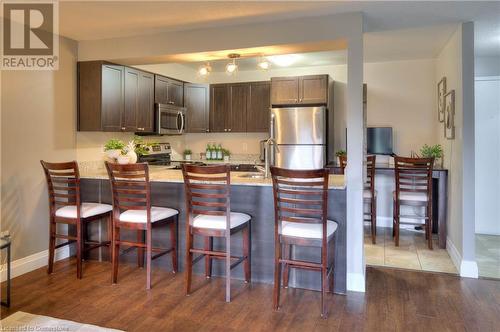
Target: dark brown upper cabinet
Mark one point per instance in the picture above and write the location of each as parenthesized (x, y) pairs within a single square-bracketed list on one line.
[(196, 101), (219, 107), (169, 91), (259, 102), (236, 119), (311, 89), (114, 98)]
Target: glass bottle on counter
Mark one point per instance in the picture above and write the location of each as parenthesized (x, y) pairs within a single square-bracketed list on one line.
[(208, 152), (213, 154), (219, 152)]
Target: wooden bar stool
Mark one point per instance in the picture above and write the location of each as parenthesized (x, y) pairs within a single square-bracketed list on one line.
[(131, 194), (370, 196), (369, 193), (208, 214), (65, 207), (301, 206), (413, 188)]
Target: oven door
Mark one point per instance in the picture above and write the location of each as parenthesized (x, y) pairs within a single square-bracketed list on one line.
[(170, 120)]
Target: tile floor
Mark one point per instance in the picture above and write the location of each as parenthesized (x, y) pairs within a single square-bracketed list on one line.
[(488, 255), (412, 252)]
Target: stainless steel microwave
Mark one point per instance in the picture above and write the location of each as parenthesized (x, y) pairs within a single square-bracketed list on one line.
[(170, 119)]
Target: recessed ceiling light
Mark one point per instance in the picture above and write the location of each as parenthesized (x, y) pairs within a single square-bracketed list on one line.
[(284, 60)]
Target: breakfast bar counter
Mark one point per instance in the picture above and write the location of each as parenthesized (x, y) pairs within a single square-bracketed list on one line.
[(253, 196)]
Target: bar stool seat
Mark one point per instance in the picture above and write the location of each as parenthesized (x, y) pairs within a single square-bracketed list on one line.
[(368, 194), (219, 222), (86, 210), (141, 216), (412, 196), (305, 230)]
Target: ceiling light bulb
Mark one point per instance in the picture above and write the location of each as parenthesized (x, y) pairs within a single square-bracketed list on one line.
[(204, 70), (264, 64), (231, 67), (284, 60)]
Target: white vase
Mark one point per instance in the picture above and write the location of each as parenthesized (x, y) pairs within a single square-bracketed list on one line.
[(187, 157), (132, 157), (226, 158), (113, 154), (123, 159)]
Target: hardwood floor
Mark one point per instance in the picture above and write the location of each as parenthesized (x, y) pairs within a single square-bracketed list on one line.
[(395, 300)]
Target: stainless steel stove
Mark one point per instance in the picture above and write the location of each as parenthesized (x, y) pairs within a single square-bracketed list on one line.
[(159, 154)]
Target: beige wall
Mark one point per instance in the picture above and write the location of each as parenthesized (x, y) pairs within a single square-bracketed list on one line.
[(449, 64), (38, 122)]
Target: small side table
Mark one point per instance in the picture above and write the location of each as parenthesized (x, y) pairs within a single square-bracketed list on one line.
[(5, 244)]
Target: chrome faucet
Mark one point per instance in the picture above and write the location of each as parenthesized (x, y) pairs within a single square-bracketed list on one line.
[(267, 166)]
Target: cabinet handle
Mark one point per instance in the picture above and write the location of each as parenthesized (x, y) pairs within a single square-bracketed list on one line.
[(207, 130), (300, 99), (171, 102), (225, 129), (229, 129), (123, 128), (295, 100)]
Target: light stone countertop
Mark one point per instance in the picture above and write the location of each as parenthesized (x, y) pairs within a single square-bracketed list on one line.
[(162, 174)]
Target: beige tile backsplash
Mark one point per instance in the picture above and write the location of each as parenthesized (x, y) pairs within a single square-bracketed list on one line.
[(90, 144)]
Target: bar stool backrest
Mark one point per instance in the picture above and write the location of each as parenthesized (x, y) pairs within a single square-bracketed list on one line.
[(130, 188), (208, 191), (300, 196), (370, 173), (63, 184), (413, 175)]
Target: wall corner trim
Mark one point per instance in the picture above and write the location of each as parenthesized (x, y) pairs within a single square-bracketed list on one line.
[(356, 282), (32, 262)]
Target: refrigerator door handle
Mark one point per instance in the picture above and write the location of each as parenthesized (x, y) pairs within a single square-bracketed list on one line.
[(271, 132)]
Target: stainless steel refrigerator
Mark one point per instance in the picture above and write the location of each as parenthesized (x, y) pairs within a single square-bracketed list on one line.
[(300, 137)]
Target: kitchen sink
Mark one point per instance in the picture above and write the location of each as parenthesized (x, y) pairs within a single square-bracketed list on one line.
[(252, 175)]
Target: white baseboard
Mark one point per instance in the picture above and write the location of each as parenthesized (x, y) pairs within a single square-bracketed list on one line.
[(32, 262), (468, 269), (355, 282)]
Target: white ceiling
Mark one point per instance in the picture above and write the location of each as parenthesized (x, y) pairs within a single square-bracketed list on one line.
[(99, 20)]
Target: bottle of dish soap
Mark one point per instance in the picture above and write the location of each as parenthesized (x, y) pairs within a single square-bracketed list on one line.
[(213, 155), (219, 152)]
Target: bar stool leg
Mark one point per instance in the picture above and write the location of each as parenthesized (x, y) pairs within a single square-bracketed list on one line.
[(109, 220), (373, 217), (277, 275), (228, 268), (116, 254), (189, 261), (148, 257), (246, 252), (429, 224), (79, 245), (52, 246), (140, 250), (286, 268), (324, 281), (209, 243), (173, 241)]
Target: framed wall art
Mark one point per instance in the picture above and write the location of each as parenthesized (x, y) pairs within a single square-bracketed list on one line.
[(441, 92), (449, 115)]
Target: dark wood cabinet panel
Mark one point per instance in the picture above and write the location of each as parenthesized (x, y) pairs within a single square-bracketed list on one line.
[(175, 93), (196, 101), (259, 102), (313, 89), (131, 106), (219, 107), (236, 118), (169, 91), (284, 90), (112, 99), (89, 95), (145, 115)]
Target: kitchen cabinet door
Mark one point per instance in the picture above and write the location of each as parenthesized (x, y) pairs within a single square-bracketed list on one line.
[(236, 118), (259, 102), (161, 89), (112, 102), (219, 107), (284, 90), (131, 107), (196, 101), (175, 93), (313, 89), (145, 111)]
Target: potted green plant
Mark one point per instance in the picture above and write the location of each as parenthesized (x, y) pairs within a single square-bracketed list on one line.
[(341, 153), (226, 154), (187, 154), (141, 147), (113, 148), (433, 151)]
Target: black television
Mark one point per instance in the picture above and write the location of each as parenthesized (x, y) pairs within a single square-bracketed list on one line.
[(379, 140)]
